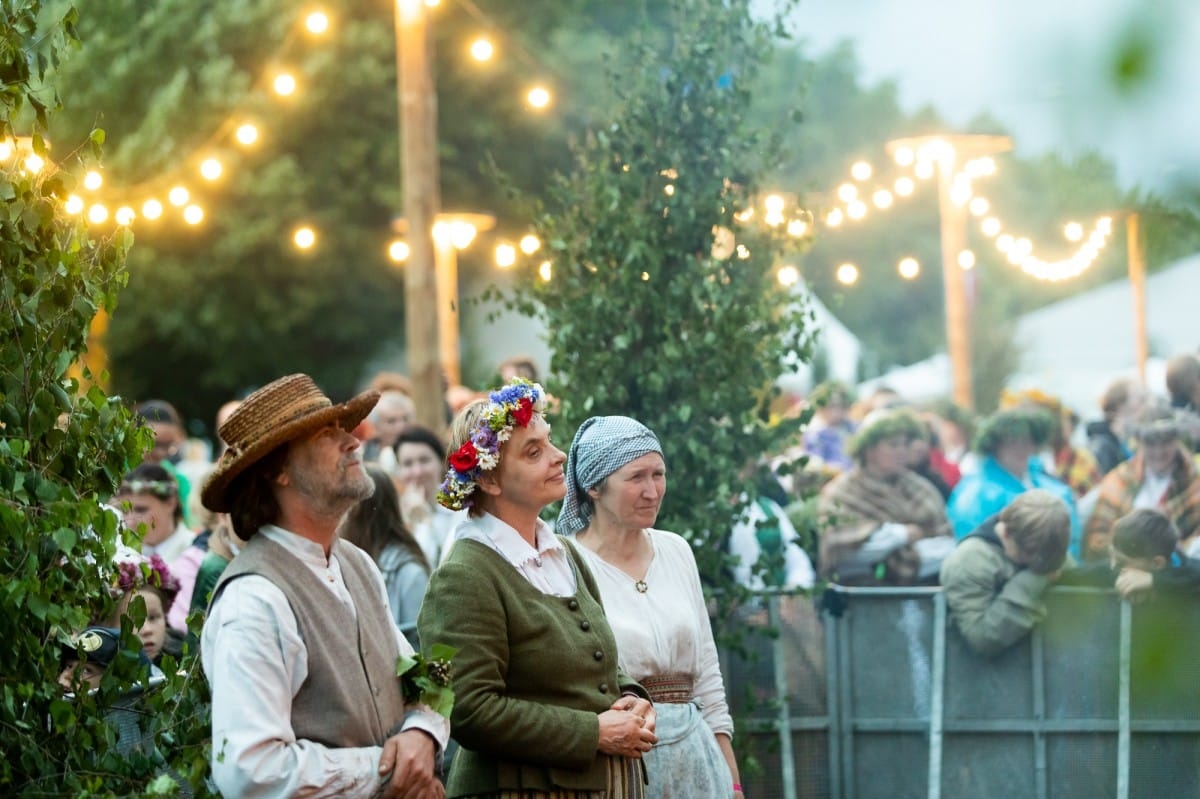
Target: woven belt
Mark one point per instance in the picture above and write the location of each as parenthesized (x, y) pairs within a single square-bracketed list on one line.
[(669, 689)]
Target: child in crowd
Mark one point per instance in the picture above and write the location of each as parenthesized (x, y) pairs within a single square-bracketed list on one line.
[(150, 579), (1143, 556), (99, 645), (995, 577)]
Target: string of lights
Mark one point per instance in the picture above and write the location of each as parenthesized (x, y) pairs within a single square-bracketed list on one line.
[(182, 190)]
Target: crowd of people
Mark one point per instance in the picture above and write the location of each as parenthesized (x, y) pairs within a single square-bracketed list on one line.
[(327, 542)]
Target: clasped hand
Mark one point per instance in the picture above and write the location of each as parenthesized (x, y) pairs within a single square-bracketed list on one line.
[(627, 728), (408, 765)]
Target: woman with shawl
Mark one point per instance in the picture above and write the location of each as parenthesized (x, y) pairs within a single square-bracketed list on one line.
[(881, 523)]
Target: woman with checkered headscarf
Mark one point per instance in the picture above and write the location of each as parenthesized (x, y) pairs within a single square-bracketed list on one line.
[(616, 479)]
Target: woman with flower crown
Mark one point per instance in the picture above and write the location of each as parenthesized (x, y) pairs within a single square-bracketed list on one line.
[(616, 480), (541, 708)]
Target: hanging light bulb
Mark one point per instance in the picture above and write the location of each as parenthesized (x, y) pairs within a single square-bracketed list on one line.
[(247, 133), (284, 84), (482, 49), (304, 237), (506, 255), (317, 22)]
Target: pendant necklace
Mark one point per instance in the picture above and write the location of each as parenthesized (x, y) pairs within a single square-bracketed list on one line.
[(641, 586)]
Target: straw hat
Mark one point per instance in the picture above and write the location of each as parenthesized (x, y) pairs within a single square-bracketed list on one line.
[(279, 412)]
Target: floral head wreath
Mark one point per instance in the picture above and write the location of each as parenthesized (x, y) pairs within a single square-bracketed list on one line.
[(142, 572), (508, 407)]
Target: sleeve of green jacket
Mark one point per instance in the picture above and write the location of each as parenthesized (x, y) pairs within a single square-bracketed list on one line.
[(990, 612)]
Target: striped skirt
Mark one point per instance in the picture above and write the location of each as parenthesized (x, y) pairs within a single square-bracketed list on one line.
[(624, 782)]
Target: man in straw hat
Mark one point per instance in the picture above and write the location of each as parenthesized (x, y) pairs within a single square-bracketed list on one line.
[(299, 645)]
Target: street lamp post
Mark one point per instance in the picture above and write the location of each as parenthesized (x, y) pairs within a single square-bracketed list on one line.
[(952, 152)]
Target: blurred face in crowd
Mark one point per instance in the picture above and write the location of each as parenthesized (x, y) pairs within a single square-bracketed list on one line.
[(1014, 454), (1123, 420), (834, 413), (168, 442), (157, 513), (153, 631), (390, 417), (918, 452), (418, 465), (630, 497), (887, 457), (88, 671), (1159, 454), (1119, 560)]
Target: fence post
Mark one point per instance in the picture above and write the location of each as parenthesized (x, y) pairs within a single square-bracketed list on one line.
[(833, 705), (787, 760), (937, 679), (1123, 701)]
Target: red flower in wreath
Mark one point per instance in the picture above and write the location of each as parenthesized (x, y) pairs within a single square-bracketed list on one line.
[(466, 458), (523, 412)]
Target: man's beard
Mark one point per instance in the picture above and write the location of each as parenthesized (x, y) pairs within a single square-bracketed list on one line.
[(336, 494)]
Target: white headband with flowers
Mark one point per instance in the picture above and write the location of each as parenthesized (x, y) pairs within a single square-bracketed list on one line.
[(508, 407)]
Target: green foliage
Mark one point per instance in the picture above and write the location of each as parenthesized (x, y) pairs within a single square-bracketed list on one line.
[(642, 317), (63, 448)]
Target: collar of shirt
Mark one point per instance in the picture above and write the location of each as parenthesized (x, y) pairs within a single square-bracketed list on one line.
[(547, 567), (509, 543), (312, 555)]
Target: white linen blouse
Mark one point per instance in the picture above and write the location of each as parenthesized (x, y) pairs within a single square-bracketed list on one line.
[(665, 630)]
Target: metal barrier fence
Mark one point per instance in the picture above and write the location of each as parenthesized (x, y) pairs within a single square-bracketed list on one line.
[(886, 700)]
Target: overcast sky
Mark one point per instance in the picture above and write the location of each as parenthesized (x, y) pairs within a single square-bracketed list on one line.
[(1041, 67)]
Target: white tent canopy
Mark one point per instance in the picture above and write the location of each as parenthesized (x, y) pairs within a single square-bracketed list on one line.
[(1076, 347)]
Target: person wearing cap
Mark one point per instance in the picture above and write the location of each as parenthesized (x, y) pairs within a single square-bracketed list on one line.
[(616, 480), (542, 708), (98, 645), (1160, 475), (299, 646)]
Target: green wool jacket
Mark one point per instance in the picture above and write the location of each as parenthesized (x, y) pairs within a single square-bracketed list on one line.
[(531, 674)]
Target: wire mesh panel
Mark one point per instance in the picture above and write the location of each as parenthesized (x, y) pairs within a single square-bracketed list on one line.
[(1081, 642), (889, 766), (890, 662), (988, 765), (1099, 702), (1164, 766), (987, 688)]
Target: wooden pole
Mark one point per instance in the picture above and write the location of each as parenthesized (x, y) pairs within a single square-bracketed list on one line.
[(958, 316), (1137, 281), (446, 257), (422, 199), (955, 151)]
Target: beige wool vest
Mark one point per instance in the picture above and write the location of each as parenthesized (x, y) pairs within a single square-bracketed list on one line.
[(352, 697)]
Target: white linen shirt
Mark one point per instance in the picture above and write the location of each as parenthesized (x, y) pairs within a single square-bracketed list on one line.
[(547, 567), (256, 662)]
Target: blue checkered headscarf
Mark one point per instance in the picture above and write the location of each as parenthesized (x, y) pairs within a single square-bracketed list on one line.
[(602, 445)]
